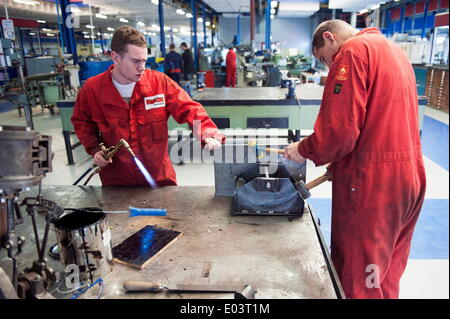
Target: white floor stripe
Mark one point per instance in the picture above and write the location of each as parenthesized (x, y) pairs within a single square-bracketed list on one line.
[(437, 180), (425, 279), (437, 115)]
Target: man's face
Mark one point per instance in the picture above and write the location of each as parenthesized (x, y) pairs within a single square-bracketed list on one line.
[(130, 65), (326, 53)]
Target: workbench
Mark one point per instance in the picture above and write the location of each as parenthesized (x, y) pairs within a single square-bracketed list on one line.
[(280, 257)]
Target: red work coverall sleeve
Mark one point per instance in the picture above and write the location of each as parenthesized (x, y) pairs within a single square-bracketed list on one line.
[(185, 110), (341, 114), (86, 128)]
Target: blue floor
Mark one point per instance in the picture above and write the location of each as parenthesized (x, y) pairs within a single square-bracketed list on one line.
[(435, 141), (431, 235)]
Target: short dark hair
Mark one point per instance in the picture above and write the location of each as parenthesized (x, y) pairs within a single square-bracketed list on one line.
[(172, 46), (330, 26), (184, 44), (127, 35)]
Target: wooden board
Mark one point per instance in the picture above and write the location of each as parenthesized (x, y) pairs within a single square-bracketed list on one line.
[(144, 246)]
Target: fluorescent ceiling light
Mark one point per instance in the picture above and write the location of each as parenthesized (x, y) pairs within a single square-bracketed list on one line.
[(299, 6), (208, 23), (199, 19), (272, 11), (175, 30), (101, 16), (154, 26), (40, 21), (166, 28), (273, 4), (110, 29), (86, 37), (98, 33), (375, 7), (90, 26), (32, 33), (85, 32), (272, 16), (123, 20), (29, 2), (140, 23), (155, 1), (46, 30), (363, 11), (180, 12), (189, 15), (50, 34)]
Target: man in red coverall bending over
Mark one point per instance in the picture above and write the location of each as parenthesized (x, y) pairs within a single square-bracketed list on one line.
[(368, 128), (230, 63), (127, 101)]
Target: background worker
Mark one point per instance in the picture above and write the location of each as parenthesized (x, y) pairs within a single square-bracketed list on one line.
[(127, 101), (230, 64), (188, 62), (173, 64), (368, 128)]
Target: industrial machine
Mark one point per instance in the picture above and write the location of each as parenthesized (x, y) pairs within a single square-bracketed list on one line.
[(297, 64), (260, 182), (48, 80), (26, 157)]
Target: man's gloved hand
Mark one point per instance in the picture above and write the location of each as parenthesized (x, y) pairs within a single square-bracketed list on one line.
[(212, 144), (100, 161), (292, 153)]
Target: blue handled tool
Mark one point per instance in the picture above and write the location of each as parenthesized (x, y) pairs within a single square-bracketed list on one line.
[(134, 211)]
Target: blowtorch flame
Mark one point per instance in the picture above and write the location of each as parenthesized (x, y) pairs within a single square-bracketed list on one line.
[(144, 172)]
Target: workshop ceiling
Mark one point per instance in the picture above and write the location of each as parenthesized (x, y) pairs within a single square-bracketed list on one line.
[(134, 11), (146, 11)]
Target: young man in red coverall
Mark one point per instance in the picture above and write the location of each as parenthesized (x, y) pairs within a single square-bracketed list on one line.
[(368, 128), (128, 101)]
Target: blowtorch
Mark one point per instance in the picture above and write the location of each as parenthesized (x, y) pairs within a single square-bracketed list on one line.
[(107, 154)]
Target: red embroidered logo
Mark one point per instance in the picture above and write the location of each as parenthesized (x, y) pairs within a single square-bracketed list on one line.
[(342, 73)]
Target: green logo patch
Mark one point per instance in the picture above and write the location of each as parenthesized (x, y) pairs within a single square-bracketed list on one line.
[(337, 88)]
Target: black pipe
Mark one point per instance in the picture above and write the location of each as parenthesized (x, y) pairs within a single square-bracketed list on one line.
[(84, 174)]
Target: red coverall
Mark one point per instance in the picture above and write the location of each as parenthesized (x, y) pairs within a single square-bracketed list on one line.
[(102, 115), (368, 127), (230, 63)]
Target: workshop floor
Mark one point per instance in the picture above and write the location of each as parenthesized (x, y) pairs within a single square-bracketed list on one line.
[(427, 272)]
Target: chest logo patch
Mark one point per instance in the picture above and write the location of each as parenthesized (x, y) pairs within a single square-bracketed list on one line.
[(342, 73), (153, 102)]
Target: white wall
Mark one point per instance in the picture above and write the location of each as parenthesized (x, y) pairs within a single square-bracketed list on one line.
[(290, 32)]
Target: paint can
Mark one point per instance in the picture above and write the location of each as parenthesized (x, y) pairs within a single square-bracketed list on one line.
[(84, 242)]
